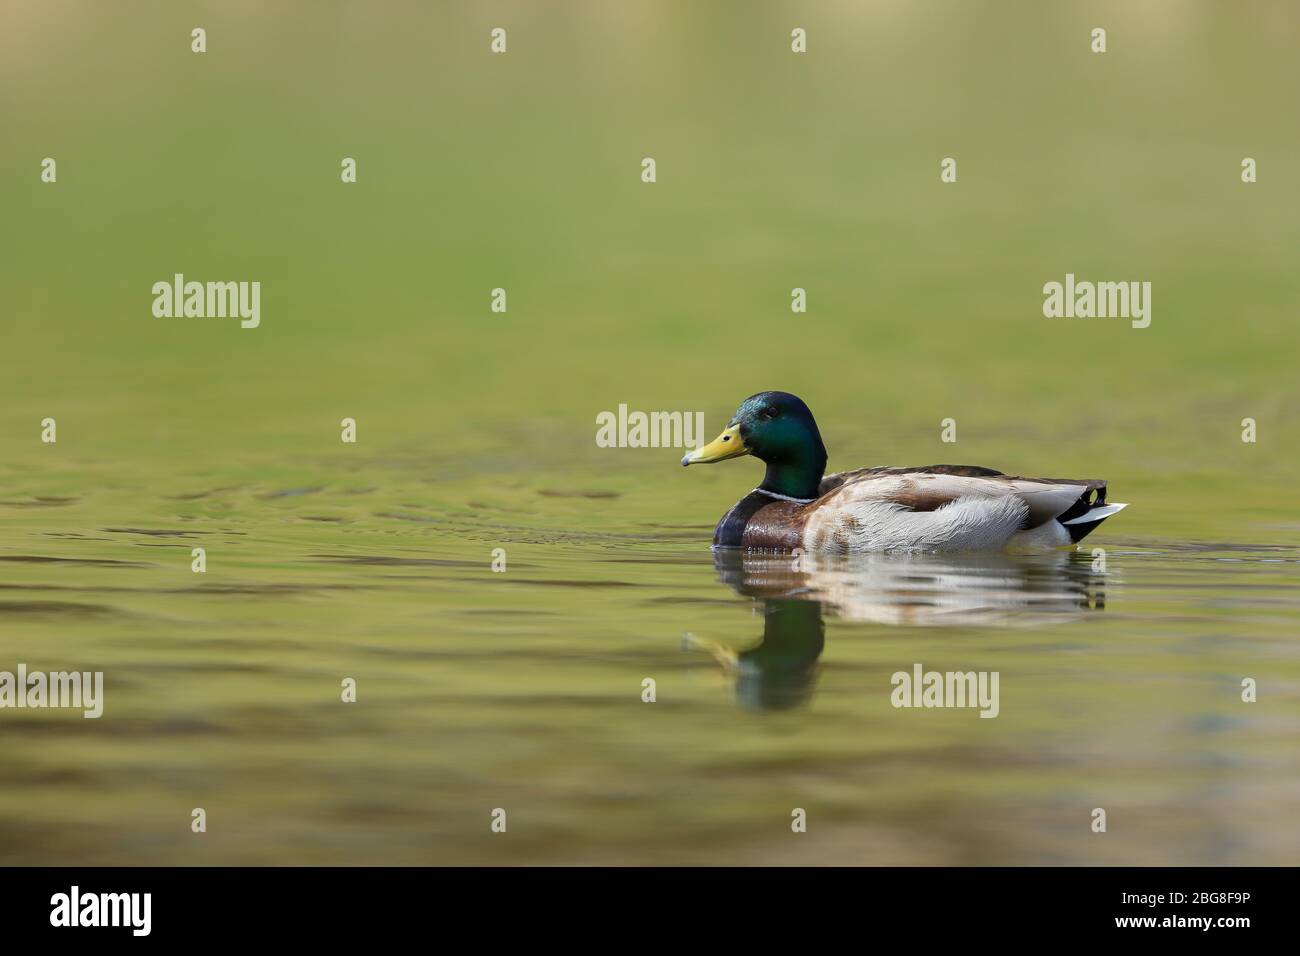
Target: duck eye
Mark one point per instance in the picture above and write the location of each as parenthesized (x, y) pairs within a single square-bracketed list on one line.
[(769, 413)]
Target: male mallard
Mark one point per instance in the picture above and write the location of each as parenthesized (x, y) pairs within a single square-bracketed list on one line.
[(932, 508)]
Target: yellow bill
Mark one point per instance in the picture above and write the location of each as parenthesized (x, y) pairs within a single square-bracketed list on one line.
[(727, 445)]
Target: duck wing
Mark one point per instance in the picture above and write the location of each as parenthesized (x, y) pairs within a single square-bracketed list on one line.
[(923, 489), (974, 471), (939, 506)]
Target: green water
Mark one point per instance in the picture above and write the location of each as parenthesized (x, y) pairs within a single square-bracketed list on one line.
[(522, 690)]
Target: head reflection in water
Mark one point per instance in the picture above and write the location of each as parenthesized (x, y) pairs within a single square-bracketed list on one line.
[(778, 672), (909, 590)]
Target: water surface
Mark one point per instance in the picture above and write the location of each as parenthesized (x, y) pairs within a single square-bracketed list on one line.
[(1120, 687)]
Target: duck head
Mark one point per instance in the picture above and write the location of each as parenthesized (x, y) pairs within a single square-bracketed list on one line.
[(778, 429)]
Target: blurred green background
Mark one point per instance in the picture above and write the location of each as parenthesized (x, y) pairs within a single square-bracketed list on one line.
[(476, 429), (776, 170)]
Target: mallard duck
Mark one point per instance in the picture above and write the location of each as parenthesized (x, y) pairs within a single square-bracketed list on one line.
[(932, 508)]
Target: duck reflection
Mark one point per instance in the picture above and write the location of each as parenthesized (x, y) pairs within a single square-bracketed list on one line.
[(778, 672), (912, 590)]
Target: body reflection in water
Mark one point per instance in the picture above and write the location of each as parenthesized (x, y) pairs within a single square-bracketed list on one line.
[(911, 590)]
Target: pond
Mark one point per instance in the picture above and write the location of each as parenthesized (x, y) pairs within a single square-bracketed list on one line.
[(522, 688)]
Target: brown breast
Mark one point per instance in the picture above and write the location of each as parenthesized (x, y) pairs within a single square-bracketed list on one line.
[(777, 526), (758, 521)]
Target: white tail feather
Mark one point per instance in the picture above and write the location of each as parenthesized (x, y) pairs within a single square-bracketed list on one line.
[(1096, 514)]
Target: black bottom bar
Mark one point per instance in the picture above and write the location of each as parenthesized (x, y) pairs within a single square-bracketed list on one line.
[(336, 905)]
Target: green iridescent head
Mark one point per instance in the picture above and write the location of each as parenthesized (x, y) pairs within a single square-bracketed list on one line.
[(778, 429)]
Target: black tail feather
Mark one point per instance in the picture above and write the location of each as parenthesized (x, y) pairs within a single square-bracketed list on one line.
[(1081, 530)]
